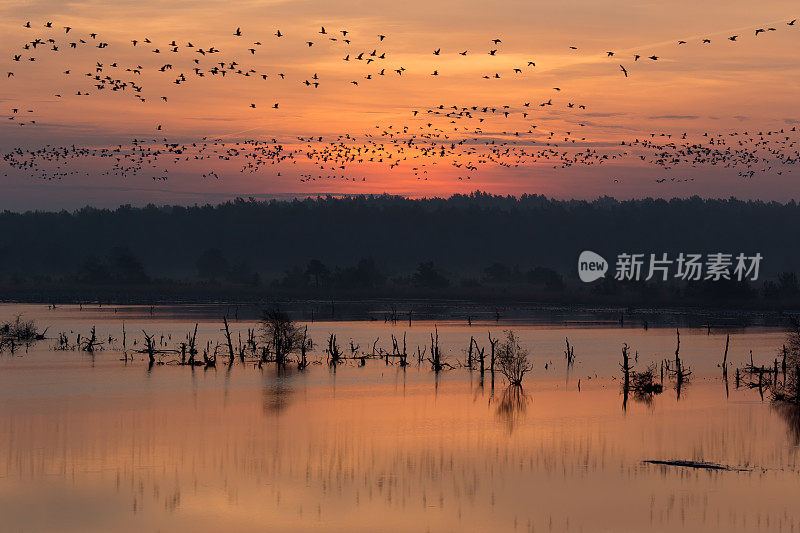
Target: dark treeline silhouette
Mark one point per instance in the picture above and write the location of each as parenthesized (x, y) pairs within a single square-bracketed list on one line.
[(369, 242)]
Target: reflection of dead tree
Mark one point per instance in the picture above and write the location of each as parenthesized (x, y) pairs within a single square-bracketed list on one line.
[(276, 398), (790, 413), (512, 405)]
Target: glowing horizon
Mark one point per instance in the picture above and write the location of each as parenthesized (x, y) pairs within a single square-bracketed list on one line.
[(717, 90)]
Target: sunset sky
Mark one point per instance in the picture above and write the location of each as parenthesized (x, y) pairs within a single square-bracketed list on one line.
[(724, 87)]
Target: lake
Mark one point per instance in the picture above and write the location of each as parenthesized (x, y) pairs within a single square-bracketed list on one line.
[(105, 442)]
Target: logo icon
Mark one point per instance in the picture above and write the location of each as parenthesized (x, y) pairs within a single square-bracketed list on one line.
[(591, 266)]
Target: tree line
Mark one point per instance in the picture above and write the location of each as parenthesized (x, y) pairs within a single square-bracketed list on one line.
[(371, 241)]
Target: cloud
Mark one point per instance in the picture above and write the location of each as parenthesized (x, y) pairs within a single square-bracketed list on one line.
[(604, 115), (674, 117)]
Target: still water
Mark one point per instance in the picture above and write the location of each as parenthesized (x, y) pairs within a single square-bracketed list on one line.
[(95, 443)]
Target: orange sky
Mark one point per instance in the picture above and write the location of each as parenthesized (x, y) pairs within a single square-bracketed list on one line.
[(722, 87)]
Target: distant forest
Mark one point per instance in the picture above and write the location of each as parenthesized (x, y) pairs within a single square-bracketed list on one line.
[(477, 244)]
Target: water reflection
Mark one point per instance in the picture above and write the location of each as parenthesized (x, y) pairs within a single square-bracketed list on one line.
[(277, 393), (511, 406), (100, 446), (790, 414)]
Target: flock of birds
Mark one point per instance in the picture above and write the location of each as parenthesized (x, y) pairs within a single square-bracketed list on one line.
[(465, 138)]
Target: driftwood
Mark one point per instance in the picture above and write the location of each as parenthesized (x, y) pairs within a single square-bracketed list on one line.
[(696, 464)]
